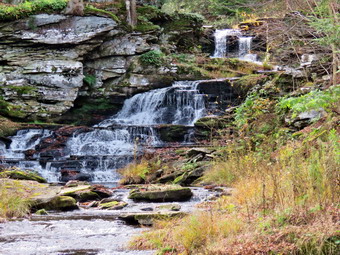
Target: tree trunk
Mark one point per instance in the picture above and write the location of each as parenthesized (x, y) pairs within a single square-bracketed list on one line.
[(75, 7), (131, 10)]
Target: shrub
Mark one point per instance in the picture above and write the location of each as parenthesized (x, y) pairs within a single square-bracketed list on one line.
[(314, 100), (152, 58)]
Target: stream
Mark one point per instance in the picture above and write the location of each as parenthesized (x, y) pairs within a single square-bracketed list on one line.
[(94, 154), (82, 232)]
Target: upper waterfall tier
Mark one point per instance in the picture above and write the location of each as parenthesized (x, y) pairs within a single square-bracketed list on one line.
[(221, 41), (180, 104)]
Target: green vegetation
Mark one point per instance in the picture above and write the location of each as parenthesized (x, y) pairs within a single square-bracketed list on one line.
[(314, 100), (90, 80), (22, 175), (139, 172), (152, 58), (92, 9), (13, 200), (13, 12)]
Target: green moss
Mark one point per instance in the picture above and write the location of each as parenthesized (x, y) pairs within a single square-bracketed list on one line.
[(114, 205), (22, 90), (11, 110), (146, 26), (23, 175), (14, 12), (90, 80), (41, 212), (91, 9), (62, 203)]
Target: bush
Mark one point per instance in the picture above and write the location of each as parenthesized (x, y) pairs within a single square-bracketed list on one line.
[(314, 100), (152, 58)]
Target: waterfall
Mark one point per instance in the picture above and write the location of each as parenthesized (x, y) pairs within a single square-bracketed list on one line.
[(114, 142), (179, 104), (221, 42), (244, 49), (244, 45)]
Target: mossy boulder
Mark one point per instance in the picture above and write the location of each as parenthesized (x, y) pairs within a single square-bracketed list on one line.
[(59, 203), (147, 218), (41, 212), (81, 193), (172, 133), (113, 205), (23, 175), (161, 193)]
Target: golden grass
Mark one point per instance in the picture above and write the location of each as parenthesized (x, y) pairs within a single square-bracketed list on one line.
[(14, 202), (283, 204)]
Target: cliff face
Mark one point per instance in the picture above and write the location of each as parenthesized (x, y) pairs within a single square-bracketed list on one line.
[(46, 58)]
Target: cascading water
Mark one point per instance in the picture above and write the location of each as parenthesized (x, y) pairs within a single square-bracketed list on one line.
[(221, 41), (244, 45), (244, 49), (114, 142)]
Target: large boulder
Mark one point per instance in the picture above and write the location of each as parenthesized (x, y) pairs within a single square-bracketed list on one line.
[(148, 218), (58, 203), (161, 193), (23, 175), (60, 29)]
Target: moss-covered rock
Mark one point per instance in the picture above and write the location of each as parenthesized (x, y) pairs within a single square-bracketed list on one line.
[(41, 212), (161, 193), (59, 203), (114, 205), (23, 175), (147, 218), (172, 133)]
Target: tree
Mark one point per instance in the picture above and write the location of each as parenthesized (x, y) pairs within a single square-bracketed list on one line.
[(131, 11), (75, 7), (325, 19)]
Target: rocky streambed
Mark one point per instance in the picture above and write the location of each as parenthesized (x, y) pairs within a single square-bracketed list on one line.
[(98, 225)]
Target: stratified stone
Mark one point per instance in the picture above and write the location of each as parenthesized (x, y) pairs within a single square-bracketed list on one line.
[(161, 193)]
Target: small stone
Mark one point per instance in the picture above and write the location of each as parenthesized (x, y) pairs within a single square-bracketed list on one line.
[(41, 212)]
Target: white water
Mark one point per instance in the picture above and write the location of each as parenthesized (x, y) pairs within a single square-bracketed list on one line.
[(245, 49), (221, 46), (179, 104), (244, 45), (25, 140), (114, 142)]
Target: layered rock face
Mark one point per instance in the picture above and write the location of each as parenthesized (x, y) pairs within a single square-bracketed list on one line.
[(45, 59)]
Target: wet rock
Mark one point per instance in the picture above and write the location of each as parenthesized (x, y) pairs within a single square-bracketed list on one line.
[(41, 212), (196, 151), (81, 193), (172, 133), (161, 193), (75, 183), (147, 218), (110, 199), (59, 203), (114, 205), (68, 175), (147, 209), (102, 191), (169, 207), (23, 175)]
